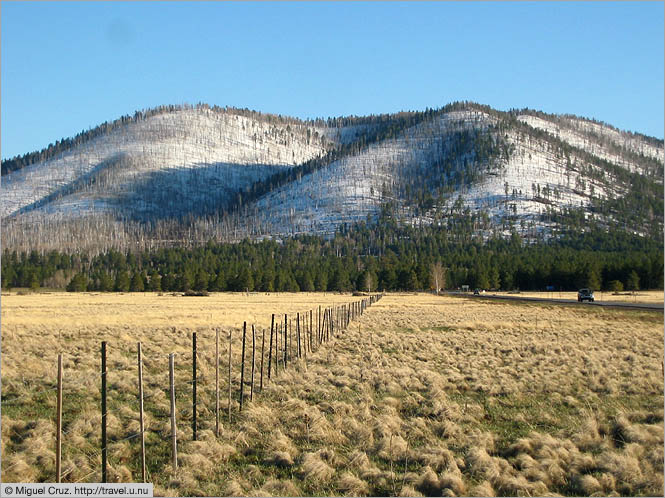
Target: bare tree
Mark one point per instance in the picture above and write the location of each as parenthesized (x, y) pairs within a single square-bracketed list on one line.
[(438, 273), (369, 281)]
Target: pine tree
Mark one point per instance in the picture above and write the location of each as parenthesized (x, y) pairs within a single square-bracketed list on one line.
[(34, 281), (321, 280), (136, 284), (305, 283), (633, 281), (121, 282), (244, 281), (592, 278), (155, 283), (8, 276), (105, 282), (79, 283), (219, 282), (168, 282), (201, 281)]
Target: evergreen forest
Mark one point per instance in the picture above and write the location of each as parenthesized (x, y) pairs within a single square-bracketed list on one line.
[(364, 257)]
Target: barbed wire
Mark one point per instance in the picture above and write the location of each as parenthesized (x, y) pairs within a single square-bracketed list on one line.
[(164, 434), (86, 476)]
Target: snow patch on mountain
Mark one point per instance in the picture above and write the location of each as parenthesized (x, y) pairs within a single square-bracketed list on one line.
[(533, 179), (595, 138), (354, 187), (185, 139)]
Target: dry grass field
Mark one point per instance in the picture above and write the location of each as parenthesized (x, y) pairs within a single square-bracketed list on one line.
[(422, 395), (650, 297)]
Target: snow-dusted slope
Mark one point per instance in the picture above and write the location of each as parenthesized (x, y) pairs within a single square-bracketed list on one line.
[(512, 169), (535, 178), (193, 152), (350, 189), (621, 148)]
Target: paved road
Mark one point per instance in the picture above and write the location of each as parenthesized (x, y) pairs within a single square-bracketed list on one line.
[(606, 304)]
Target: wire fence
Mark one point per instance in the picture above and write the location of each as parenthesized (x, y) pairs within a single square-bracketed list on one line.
[(278, 347)]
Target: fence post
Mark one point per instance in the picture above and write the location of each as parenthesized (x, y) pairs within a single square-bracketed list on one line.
[(58, 442), (141, 424), (174, 443), (278, 332), (298, 334), (217, 382), (285, 342), (329, 329), (272, 326), (104, 452), (251, 389), (230, 338), (194, 386), (286, 339), (263, 346), (242, 365)]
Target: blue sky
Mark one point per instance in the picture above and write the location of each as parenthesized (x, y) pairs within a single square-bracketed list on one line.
[(68, 66)]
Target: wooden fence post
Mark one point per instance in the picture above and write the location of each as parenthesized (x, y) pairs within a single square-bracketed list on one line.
[(276, 357), (286, 339), (285, 343), (272, 326), (329, 316), (298, 334), (141, 423), (230, 338), (251, 389), (104, 450), (58, 438), (194, 386), (263, 346), (217, 382), (174, 443), (242, 365), (291, 340)]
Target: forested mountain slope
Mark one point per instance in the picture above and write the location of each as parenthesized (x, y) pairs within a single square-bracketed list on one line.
[(163, 164), (185, 175)]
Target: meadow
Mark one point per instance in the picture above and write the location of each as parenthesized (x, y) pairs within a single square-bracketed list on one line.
[(647, 297), (422, 395)]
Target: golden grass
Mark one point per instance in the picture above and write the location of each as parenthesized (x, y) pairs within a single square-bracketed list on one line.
[(649, 297), (423, 395)]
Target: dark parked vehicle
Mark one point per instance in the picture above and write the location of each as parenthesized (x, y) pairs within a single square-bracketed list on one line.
[(585, 295)]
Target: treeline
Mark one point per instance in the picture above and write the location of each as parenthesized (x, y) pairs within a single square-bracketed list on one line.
[(385, 258)]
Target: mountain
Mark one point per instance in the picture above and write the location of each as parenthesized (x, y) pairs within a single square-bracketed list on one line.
[(185, 175)]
